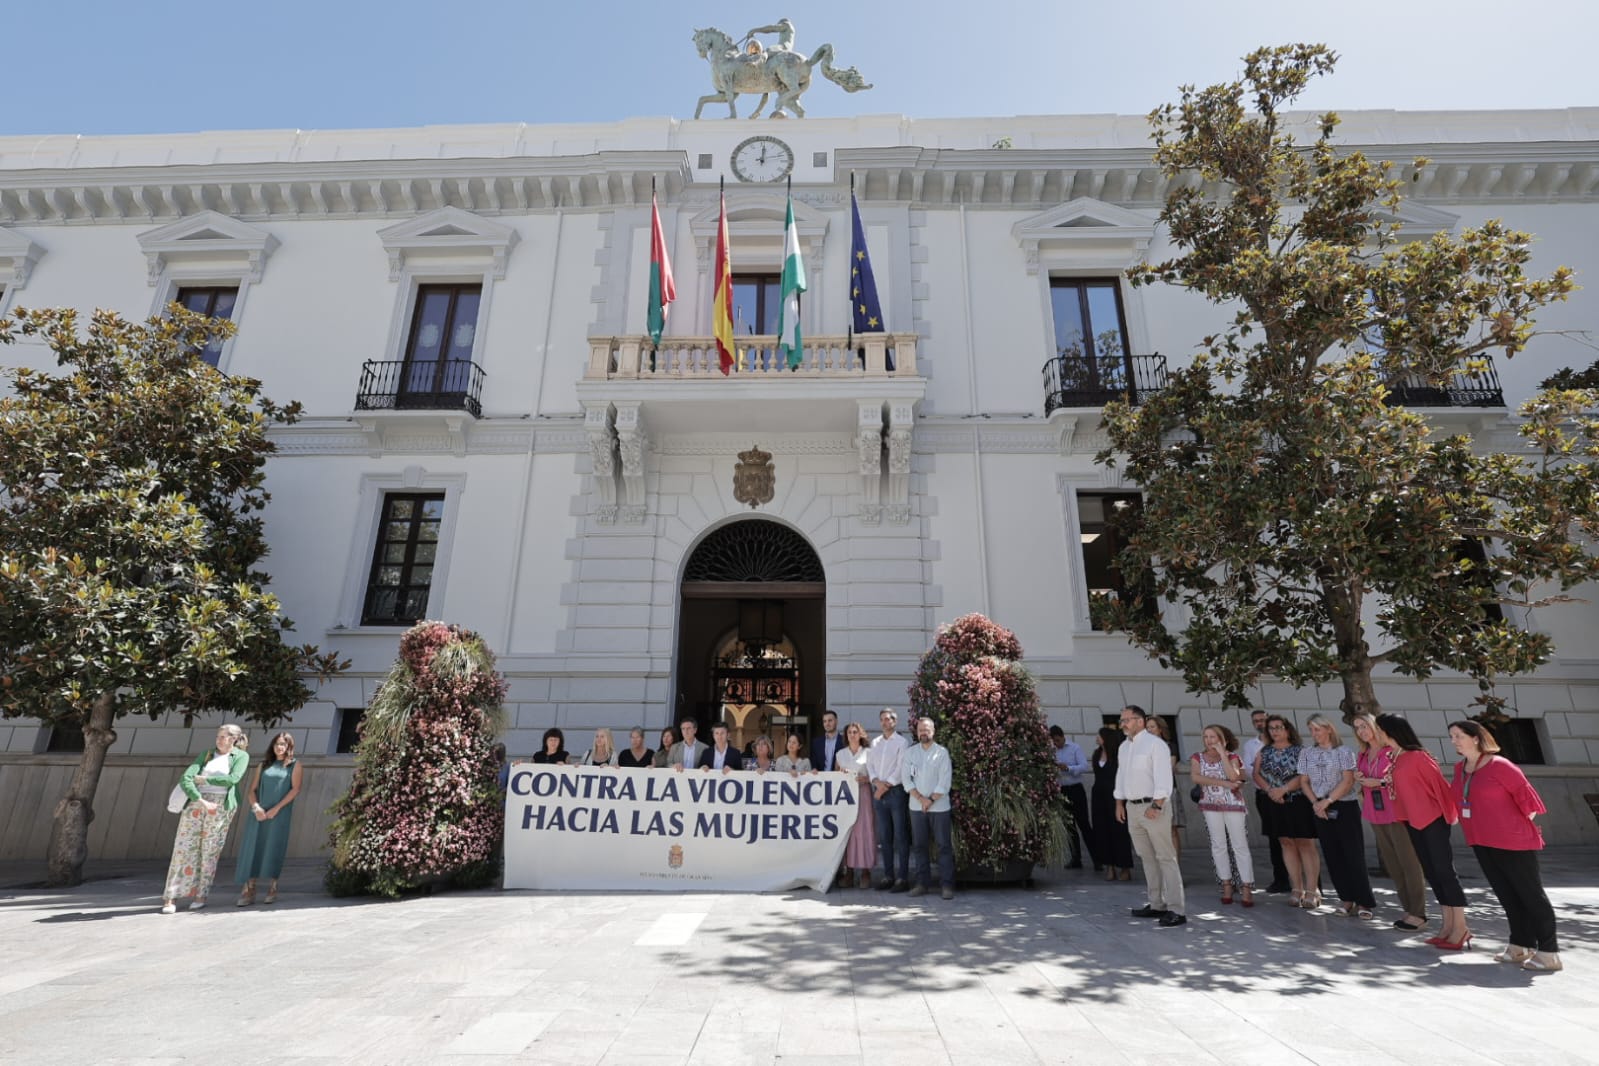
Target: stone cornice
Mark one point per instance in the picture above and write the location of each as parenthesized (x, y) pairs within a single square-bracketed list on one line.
[(395, 188), (490, 436), (1460, 172)]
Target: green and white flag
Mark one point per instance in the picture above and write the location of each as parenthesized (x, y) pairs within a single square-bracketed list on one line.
[(788, 315)]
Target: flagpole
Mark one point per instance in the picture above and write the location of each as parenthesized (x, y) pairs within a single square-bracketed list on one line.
[(849, 336)]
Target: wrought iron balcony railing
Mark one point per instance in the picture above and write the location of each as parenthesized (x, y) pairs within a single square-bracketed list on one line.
[(1072, 380), (447, 385), (1464, 388)]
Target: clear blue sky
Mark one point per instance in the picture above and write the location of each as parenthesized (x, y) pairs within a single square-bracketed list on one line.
[(95, 66)]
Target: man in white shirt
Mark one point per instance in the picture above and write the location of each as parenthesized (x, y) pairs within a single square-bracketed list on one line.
[(1071, 764), (1143, 785), (893, 809), (1249, 753), (927, 776)]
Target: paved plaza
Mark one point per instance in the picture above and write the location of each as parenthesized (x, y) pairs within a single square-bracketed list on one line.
[(1055, 974)]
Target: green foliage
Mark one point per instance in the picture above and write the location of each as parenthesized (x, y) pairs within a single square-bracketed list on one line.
[(1283, 495), (131, 531), (1567, 378)]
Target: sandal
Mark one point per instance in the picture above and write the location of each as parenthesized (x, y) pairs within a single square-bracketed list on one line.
[(271, 897), (1363, 914), (246, 897)]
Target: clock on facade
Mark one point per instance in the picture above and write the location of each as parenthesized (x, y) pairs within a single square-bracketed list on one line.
[(762, 158)]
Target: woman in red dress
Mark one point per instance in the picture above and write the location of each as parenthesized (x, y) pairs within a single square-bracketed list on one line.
[(1497, 806)]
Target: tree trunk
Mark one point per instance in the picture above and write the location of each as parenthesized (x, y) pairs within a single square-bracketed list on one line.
[(69, 835), (1359, 695)]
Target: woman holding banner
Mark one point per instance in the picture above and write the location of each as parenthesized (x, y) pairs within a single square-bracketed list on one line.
[(861, 852), (663, 754), (763, 756), (792, 762)]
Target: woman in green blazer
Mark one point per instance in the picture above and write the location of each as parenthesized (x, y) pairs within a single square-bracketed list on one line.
[(212, 784)]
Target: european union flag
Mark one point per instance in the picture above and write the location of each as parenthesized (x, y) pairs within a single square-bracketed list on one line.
[(865, 312)]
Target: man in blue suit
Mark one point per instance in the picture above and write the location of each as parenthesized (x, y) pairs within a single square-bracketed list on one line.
[(721, 755), (824, 747)]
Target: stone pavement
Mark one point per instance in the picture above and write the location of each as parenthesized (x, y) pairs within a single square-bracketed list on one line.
[(1056, 974)]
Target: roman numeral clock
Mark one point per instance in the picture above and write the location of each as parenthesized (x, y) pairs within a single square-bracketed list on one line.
[(762, 159)]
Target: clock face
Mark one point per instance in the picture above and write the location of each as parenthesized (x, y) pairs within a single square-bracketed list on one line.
[(762, 159)]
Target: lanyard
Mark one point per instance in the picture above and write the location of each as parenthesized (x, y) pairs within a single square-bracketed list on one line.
[(1465, 789)]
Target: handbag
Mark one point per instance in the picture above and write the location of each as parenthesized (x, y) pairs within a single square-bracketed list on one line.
[(177, 800), (1196, 793)]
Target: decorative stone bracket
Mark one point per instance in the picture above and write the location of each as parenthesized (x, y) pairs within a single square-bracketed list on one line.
[(869, 444), (597, 426), (632, 443), (901, 415), (870, 441)]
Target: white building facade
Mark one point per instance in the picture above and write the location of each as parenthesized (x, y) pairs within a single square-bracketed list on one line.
[(491, 440)]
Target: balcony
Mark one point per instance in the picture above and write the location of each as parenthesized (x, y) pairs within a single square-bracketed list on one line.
[(685, 390), (1073, 380), (1464, 388), (451, 385), (863, 357)]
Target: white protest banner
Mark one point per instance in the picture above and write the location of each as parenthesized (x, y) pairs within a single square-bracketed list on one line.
[(592, 827)]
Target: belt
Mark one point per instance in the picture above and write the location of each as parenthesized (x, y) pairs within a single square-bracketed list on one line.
[(1146, 799)]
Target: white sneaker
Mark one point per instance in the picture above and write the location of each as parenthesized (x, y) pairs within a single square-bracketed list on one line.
[(169, 908), (197, 905)]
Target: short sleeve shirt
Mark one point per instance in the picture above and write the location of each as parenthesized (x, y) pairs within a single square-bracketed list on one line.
[(1325, 767)]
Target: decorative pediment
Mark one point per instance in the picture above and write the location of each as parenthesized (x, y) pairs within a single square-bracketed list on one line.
[(1418, 221), (449, 233), (208, 244), (1085, 232), (755, 220), (17, 258)]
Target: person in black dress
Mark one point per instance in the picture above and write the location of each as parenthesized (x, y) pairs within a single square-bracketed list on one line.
[(636, 755), (1115, 843), (554, 749)]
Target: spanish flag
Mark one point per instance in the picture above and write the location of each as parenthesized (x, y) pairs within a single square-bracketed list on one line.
[(722, 298)]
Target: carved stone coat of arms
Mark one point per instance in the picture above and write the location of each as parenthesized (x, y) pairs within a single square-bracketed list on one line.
[(754, 480)]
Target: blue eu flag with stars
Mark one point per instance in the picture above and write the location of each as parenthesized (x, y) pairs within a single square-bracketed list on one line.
[(865, 312)]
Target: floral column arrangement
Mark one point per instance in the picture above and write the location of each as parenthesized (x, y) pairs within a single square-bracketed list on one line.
[(424, 808), (1007, 809)]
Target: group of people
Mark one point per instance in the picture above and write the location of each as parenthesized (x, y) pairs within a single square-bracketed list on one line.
[(213, 788), (1320, 793), (903, 787)]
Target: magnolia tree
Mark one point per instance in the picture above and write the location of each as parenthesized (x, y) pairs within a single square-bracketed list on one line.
[(1288, 504), (131, 490), (1006, 805), (424, 806)]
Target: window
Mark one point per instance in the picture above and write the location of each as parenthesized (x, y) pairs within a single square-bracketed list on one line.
[(1519, 741), (64, 739), (755, 302), (1090, 337), (213, 301), (403, 559), (349, 734), (438, 352), (1098, 517), (1474, 559)]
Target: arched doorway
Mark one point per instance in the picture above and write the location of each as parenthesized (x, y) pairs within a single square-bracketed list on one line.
[(752, 633)]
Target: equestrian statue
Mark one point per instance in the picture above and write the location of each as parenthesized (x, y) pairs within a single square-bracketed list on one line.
[(747, 66)]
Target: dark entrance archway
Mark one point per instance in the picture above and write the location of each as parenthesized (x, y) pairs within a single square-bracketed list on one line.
[(752, 633)]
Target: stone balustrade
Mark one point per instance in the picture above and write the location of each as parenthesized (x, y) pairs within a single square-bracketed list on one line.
[(865, 356)]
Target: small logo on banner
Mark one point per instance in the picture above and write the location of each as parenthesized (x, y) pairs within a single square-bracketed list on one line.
[(674, 857)]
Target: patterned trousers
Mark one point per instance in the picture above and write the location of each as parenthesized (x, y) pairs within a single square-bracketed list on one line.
[(196, 850)]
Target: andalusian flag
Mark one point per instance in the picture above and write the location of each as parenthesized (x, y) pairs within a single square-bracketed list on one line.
[(662, 290), (788, 313), (722, 298)]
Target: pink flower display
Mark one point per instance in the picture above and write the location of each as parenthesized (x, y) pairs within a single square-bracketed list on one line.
[(1004, 798), (424, 807)]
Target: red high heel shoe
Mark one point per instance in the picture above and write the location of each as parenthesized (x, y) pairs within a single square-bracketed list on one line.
[(1441, 944)]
